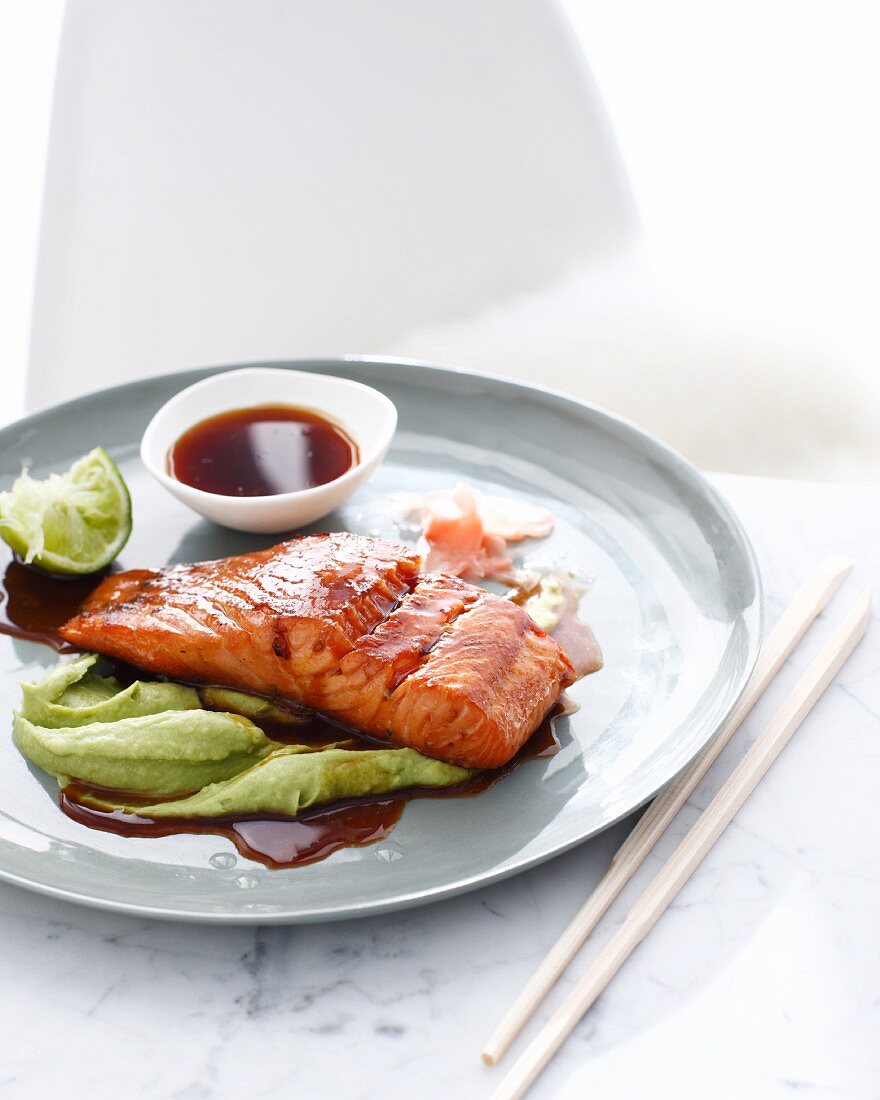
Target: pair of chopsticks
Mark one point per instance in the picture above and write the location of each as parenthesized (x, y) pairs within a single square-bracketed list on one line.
[(813, 597)]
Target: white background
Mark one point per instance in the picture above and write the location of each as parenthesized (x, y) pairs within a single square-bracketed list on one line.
[(749, 132)]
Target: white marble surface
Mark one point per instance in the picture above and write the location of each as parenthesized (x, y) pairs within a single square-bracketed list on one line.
[(763, 980)]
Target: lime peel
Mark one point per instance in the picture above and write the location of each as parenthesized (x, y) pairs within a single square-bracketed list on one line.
[(71, 523)]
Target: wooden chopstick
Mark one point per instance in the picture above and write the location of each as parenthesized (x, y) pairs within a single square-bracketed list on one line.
[(813, 597), (681, 865)]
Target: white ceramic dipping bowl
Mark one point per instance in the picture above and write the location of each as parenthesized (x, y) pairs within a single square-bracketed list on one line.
[(367, 415)]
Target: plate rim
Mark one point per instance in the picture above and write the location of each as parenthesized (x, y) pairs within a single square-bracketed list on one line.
[(674, 460)]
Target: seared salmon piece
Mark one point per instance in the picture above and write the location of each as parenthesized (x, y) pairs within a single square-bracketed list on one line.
[(454, 672), (343, 624), (275, 621), (378, 662)]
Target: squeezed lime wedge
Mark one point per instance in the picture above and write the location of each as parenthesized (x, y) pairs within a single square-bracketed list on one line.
[(71, 523)]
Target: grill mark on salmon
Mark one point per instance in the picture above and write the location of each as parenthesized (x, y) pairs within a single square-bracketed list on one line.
[(346, 625)]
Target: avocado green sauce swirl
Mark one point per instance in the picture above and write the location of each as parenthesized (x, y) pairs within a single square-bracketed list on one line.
[(156, 739)]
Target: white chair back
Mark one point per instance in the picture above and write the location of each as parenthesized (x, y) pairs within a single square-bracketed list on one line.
[(230, 180)]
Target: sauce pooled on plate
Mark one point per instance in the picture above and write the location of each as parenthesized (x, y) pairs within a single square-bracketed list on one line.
[(35, 605)]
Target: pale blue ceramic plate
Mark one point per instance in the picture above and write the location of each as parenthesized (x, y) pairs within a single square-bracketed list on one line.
[(675, 602)]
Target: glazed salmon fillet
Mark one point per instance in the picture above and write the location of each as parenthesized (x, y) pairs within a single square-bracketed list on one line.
[(348, 626)]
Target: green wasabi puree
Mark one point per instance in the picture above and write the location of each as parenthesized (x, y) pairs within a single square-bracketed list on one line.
[(157, 739), (547, 604), (149, 738), (293, 778), (254, 707)]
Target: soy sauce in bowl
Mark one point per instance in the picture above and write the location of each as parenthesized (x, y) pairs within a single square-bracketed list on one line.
[(263, 468), (262, 451)]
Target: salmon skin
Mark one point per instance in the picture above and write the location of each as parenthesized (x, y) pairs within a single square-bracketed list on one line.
[(348, 626)]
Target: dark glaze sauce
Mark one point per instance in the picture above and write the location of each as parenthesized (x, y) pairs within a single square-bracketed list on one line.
[(262, 451), (34, 605), (313, 835), (275, 842)]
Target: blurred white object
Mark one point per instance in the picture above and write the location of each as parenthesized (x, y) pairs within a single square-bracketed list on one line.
[(229, 181), (730, 395), (29, 36)]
